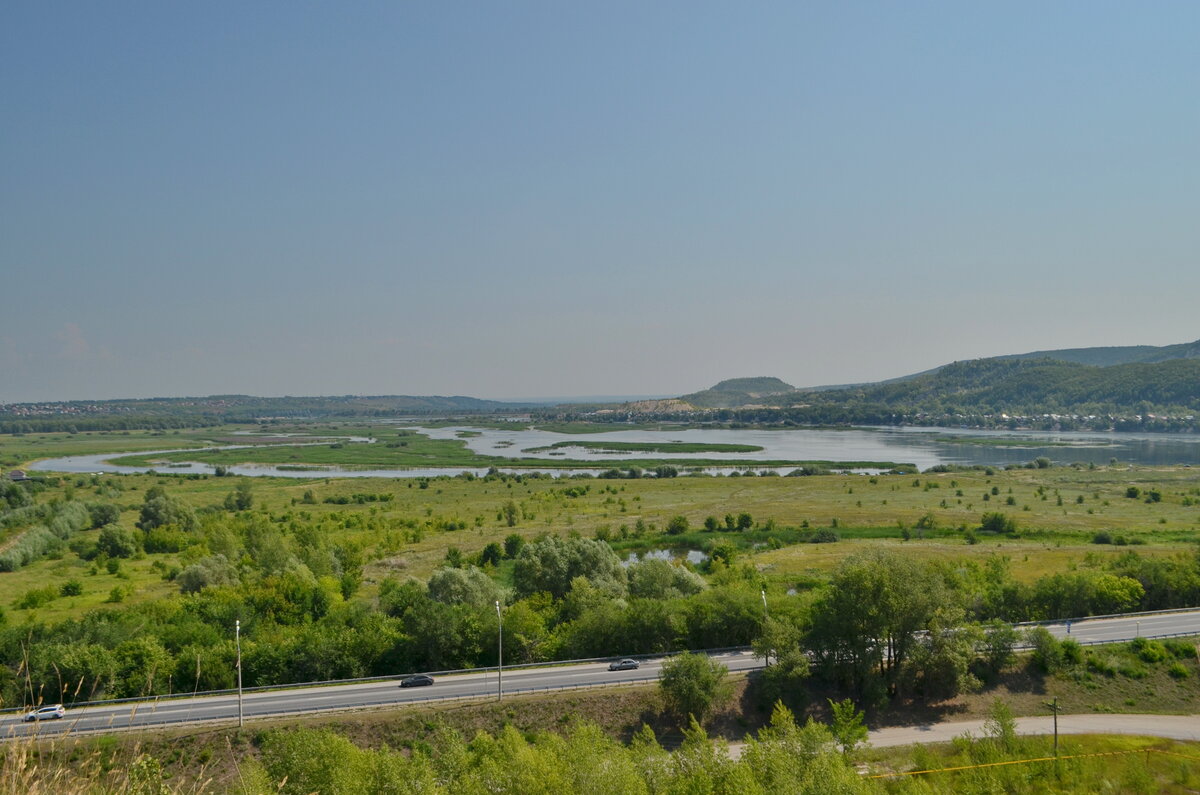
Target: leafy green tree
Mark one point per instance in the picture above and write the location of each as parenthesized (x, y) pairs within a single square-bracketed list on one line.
[(848, 727), (997, 523), (491, 555), (241, 498), (117, 542), (511, 513), (694, 685), (787, 671), (512, 545), (468, 586), (214, 570), (551, 563), (103, 513), (678, 525), (1047, 650), (999, 640), (661, 579), (866, 623), (160, 509)]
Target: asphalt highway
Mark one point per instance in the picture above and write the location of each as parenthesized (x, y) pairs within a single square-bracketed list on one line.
[(272, 703), (366, 695)]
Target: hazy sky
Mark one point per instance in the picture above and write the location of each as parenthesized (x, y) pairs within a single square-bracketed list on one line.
[(567, 198)]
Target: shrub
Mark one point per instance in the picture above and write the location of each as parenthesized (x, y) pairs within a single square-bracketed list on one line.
[(71, 588), (1178, 671), (678, 525), (37, 597), (1149, 651), (1133, 671), (1102, 665), (824, 537), (1047, 650)]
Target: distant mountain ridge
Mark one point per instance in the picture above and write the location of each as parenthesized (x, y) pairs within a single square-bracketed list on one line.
[(738, 392), (1109, 356), (1094, 385)]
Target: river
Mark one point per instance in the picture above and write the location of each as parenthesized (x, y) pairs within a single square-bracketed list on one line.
[(922, 447)]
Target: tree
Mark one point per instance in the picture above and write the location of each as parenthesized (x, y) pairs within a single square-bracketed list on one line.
[(744, 521), (678, 525), (997, 523), (847, 725), (469, 586), (694, 685), (865, 624), (159, 509), (550, 564), (240, 499), (207, 572), (511, 513), (103, 513), (492, 554), (661, 579), (116, 542), (512, 545)]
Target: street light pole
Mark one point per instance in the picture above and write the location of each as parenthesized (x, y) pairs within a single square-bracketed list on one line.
[(499, 655), (766, 615), (237, 629)]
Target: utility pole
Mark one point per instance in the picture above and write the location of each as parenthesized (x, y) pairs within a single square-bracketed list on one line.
[(499, 655), (1053, 705), (237, 630)]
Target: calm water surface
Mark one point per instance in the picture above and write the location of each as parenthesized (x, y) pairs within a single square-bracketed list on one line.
[(923, 447)]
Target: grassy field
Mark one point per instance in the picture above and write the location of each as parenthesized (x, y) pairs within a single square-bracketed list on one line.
[(18, 450), (409, 534)]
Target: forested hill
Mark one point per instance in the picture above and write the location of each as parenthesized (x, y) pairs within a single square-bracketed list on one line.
[(1127, 354), (1014, 391), (738, 392), (221, 409), (1032, 386)]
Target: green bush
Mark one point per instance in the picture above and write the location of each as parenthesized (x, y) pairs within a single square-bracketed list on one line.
[(1178, 671), (37, 597), (1102, 665), (1149, 651), (1047, 650)]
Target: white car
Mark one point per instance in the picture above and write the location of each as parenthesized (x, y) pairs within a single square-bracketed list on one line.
[(46, 713)]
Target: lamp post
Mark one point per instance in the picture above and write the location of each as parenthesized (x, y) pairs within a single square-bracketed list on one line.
[(499, 655), (237, 634), (763, 591)]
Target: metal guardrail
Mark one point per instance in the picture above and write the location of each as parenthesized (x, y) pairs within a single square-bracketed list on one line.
[(1073, 620), (366, 680), (346, 707), (153, 701)]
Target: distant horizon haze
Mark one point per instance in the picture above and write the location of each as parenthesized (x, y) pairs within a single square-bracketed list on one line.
[(584, 199)]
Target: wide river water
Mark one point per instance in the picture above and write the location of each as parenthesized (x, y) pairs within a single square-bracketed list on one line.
[(923, 447)]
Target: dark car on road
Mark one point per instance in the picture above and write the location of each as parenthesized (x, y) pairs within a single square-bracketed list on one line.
[(417, 680), (624, 665)]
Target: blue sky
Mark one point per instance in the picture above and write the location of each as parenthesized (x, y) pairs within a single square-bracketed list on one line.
[(548, 198)]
